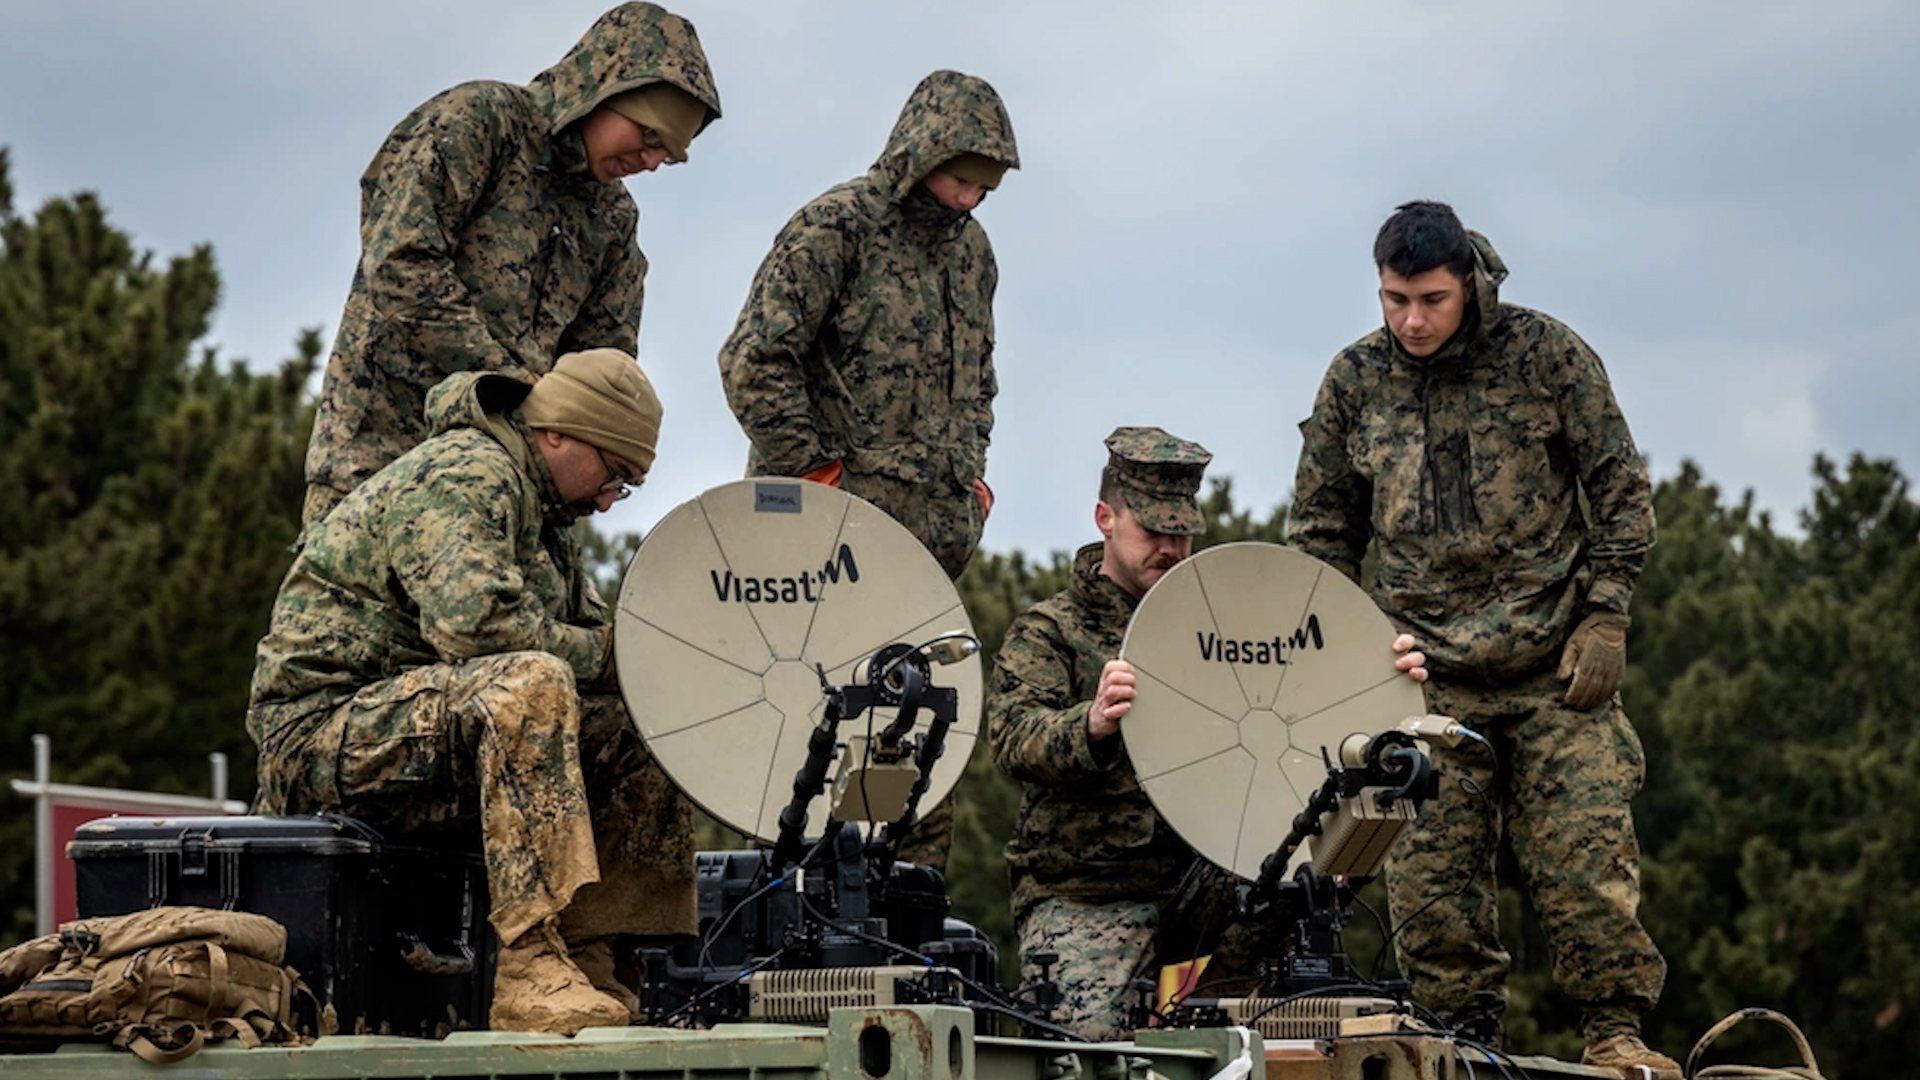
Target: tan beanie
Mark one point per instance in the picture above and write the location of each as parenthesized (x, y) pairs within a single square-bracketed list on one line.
[(975, 169), (672, 113), (602, 398)]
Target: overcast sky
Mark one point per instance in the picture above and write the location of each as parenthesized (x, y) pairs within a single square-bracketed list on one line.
[(1719, 196)]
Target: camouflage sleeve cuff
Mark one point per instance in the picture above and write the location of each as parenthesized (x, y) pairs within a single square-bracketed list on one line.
[(1609, 595), (585, 649), (1106, 752)]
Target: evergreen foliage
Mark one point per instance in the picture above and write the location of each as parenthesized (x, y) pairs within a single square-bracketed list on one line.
[(151, 496), (152, 492)]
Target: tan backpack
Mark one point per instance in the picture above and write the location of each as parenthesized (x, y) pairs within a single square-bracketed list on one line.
[(157, 982)]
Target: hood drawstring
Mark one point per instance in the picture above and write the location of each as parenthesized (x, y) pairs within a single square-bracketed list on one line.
[(1429, 468), (1439, 514)]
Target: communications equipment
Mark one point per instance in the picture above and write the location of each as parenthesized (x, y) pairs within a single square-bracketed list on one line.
[(803, 670), (1273, 732)]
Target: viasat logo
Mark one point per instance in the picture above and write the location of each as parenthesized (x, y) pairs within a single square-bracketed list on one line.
[(807, 586), (1274, 650)]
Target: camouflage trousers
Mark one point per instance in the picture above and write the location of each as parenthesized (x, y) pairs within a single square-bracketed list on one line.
[(1561, 794), (574, 817), (1103, 947), (947, 520)]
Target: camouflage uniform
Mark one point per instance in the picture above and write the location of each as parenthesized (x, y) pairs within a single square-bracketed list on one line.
[(867, 337), (1091, 860), (1467, 468), (438, 661), (488, 245)]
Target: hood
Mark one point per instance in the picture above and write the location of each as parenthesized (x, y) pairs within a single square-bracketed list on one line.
[(1488, 272), (628, 47), (948, 114), (490, 403), (465, 398)]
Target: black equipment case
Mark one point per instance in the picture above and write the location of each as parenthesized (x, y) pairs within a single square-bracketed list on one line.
[(393, 938)]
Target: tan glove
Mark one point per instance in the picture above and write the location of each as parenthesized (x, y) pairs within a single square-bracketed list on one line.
[(1596, 658)]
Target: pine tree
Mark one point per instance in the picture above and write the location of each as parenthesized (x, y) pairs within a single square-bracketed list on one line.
[(1777, 686), (152, 498)]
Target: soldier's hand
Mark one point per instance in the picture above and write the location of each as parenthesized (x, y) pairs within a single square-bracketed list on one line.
[(1595, 658), (1111, 701), (1412, 661)]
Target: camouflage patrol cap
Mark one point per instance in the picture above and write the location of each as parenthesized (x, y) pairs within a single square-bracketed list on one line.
[(1159, 475), (602, 398)]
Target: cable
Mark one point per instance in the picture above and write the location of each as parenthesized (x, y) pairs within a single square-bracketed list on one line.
[(1329, 990), (713, 932), (1379, 924), (866, 804), (717, 987), (988, 995), (1500, 1058), (720, 925), (1486, 851)]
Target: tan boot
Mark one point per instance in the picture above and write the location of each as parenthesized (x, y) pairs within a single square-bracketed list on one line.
[(536, 988), (1628, 1054), (594, 957)]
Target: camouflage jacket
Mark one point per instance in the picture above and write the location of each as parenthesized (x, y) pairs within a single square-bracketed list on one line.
[(1086, 829), (868, 333), (487, 244), (459, 549), (1467, 469)]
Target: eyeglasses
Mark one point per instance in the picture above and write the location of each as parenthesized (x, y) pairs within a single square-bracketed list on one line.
[(651, 139), (618, 486)]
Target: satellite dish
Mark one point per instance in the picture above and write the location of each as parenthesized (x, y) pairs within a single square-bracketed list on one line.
[(1249, 660), (728, 606)]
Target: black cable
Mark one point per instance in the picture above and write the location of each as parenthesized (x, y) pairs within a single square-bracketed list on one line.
[(713, 932), (1489, 850), (717, 987), (1209, 984), (1379, 924), (988, 995), (1067, 1034), (1500, 1058), (707, 939), (1329, 990), (866, 805)]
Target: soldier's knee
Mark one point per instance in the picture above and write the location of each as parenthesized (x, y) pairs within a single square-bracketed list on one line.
[(529, 691), (532, 671)]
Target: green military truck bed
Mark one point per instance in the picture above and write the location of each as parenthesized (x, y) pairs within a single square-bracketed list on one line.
[(899, 1043)]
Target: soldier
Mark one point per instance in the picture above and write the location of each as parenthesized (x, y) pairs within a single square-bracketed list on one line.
[(863, 357), (1093, 865), (495, 234), (1460, 439), (438, 663)]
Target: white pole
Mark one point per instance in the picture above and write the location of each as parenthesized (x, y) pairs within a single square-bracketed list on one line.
[(219, 762), (43, 855)]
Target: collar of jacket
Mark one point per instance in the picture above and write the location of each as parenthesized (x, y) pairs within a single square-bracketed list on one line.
[(1096, 590), (510, 430), (566, 155), (927, 219)]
